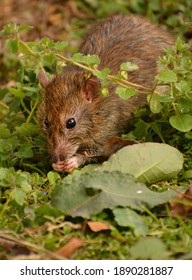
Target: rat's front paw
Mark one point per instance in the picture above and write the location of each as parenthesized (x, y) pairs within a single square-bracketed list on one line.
[(66, 166), (71, 164)]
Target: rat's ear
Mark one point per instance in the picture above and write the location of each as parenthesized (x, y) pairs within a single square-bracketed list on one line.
[(43, 79), (91, 88)]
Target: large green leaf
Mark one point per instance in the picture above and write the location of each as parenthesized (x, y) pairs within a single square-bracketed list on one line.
[(90, 193), (148, 162)]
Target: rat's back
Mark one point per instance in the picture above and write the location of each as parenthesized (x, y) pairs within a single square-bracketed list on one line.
[(118, 39)]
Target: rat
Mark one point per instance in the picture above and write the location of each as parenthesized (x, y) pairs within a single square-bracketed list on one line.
[(77, 120)]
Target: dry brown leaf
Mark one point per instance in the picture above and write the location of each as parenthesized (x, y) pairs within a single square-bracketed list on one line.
[(70, 247), (55, 19), (182, 205), (97, 226)]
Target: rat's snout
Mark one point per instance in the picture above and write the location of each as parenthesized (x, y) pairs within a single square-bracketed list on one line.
[(58, 154), (60, 151), (56, 158)]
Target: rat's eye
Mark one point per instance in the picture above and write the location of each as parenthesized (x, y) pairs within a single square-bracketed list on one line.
[(71, 123), (46, 122)]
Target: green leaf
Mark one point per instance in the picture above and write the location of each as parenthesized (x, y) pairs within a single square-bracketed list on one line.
[(22, 181), (24, 48), (4, 131), (24, 27), (9, 28), (101, 74), (46, 210), (77, 57), (25, 151), (49, 59), (92, 59), (53, 177), (185, 105), (19, 195), (188, 135), (181, 122), (149, 248), (35, 179), (125, 93), (127, 217), (105, 91), (165, 98), (88, 194), (87, 59), (26, 129), (12, 28), (124, 75), (60, 46), (154, 103), (17, 92), (13, 45), (46, 42), (167, 76), (7, 146), (3, 92), (141, 129), (148, 162), (5, 171), (128, 66), (183, 86), (187, 174), (156, 126)]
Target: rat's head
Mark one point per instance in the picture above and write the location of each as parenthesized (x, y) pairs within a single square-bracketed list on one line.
[(66, 112)]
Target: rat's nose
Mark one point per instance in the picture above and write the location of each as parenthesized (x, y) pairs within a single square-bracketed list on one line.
[(55, 158)]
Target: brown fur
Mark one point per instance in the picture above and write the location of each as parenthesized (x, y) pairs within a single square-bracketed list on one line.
[(115, 40)]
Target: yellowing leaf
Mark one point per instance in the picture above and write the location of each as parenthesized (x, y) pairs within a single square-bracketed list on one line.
[(148, 162)]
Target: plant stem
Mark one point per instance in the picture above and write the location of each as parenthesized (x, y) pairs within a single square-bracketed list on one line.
[(173, 103), (26, 46), (25, 108), (4, 105), (151, 214), (6, 203), (121, 82), (32, 111), (33, 168)]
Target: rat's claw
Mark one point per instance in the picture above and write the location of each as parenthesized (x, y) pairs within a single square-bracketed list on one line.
[(71, 164), (66, 166)]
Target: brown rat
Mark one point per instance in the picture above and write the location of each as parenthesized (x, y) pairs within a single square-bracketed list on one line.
[(75, 117)]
